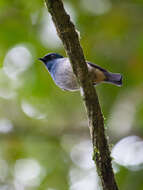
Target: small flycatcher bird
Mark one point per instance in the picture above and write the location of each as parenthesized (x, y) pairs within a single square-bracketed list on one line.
[(61, 71)]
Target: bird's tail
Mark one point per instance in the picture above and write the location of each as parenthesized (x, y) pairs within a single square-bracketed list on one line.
[(114, 78)]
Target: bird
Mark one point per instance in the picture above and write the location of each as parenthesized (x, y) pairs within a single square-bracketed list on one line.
[(61, 71)]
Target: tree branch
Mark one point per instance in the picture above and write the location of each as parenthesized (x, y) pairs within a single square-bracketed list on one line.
[(69, 37)]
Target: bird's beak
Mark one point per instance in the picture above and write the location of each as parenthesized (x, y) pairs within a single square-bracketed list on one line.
[(41, 59)]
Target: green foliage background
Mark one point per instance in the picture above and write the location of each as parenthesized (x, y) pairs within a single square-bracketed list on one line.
[(112, 38)]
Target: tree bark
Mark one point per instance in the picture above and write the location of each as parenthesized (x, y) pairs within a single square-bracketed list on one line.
[(67, 33)]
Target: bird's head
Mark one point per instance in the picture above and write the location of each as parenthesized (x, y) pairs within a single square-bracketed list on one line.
[(50, 57)]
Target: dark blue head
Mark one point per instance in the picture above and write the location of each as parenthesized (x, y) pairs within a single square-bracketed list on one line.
[(48, 59)]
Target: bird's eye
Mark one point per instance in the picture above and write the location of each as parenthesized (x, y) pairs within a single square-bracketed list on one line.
[(52, 56)]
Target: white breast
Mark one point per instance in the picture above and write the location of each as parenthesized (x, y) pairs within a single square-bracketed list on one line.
[(64, 76)]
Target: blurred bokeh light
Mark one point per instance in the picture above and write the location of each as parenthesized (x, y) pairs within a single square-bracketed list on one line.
[(128, 152), (17, 60), (27, 172)]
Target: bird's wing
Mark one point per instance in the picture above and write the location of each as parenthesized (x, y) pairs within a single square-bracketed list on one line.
[(97, 73), (96, 67)]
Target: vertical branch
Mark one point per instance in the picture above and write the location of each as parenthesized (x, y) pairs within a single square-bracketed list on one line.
[(69, 37)]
